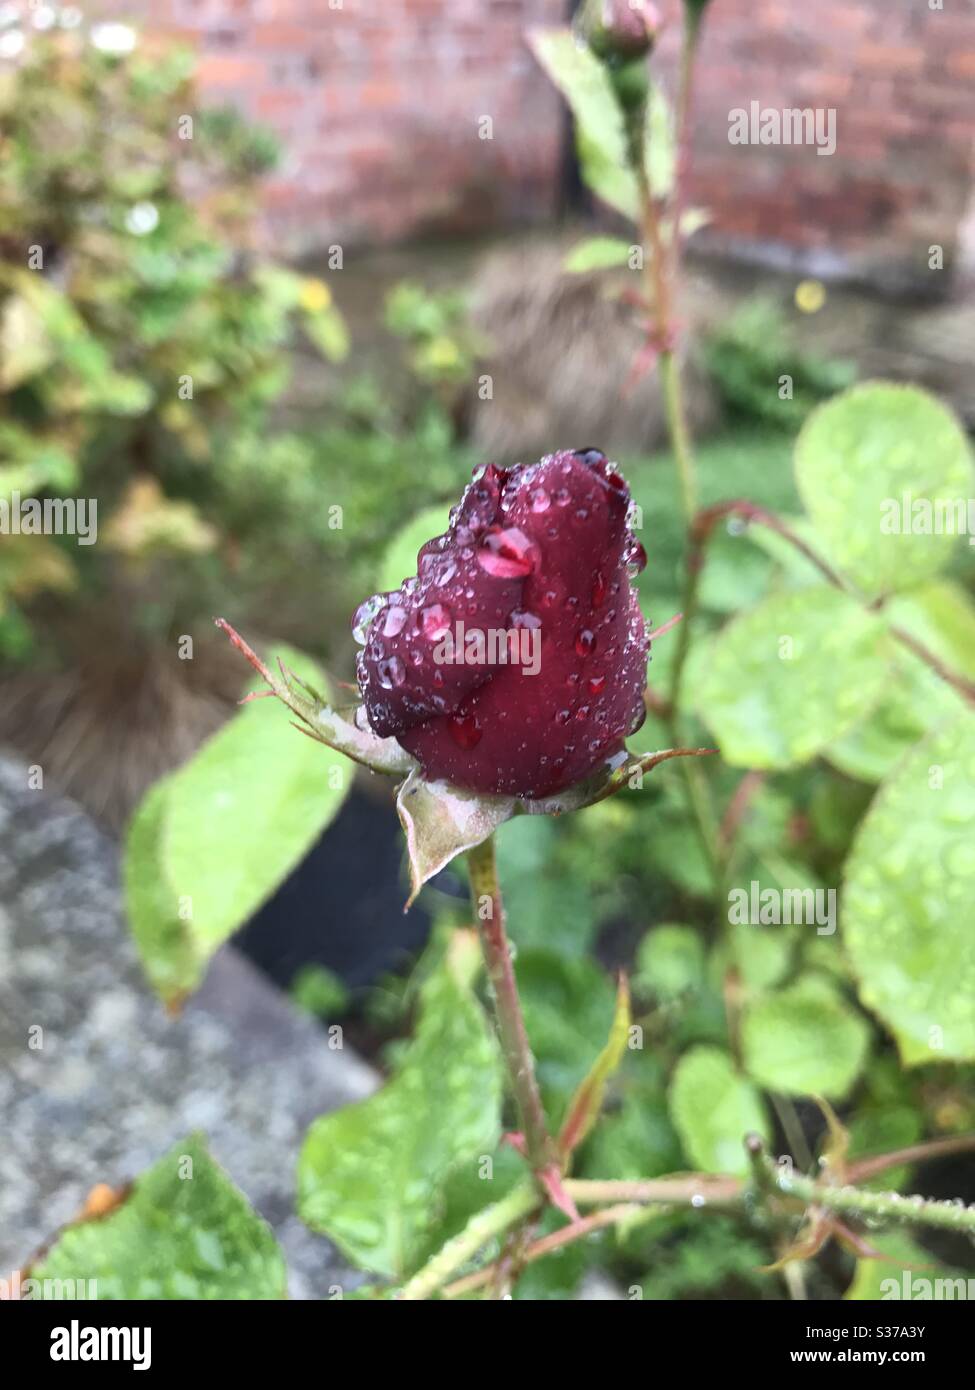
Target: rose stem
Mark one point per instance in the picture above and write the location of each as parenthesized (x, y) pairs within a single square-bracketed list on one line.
[(489, 915), (662, 271)]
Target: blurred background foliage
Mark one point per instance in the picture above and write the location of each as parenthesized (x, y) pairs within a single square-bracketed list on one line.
[(243, 498)]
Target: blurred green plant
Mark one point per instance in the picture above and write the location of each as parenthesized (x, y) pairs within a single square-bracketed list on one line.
[(760, 372), (141, 330)]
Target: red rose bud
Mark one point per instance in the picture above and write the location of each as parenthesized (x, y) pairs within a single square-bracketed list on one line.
[(515, 660), (619, 29)]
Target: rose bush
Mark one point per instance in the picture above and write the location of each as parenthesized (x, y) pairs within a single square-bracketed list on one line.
[(541, 549)]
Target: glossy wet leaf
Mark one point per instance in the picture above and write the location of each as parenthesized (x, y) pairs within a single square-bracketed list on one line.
[(185, 1231), (917, 699), (858, 456), (804, 1040), (905, 911), (790, 676), (371, 1176), (713, 1107), (211, 842)]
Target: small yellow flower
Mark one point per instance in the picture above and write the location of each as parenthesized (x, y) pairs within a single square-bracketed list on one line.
[(810, 296), (315, 296)]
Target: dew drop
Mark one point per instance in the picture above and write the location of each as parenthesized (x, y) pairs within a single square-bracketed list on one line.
[(596, 683), (590, 455), (598, 589), (364, 615), (585, 642), (395, 620), (391, 673), (563, 497), (636, 559), (539, 499), (434, 621), (506, 553), (522, 618)]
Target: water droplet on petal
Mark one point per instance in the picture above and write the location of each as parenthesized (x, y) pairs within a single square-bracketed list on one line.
[(364, 615), (434, 621), (596, 684), (539, 499), (585, 642), (563, 497), (391, 673), (636, 559), (395, 620), (506, 553), (522, 618)]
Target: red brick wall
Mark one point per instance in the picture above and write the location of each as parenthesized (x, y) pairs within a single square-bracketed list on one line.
[(901, 77), (377, 105)]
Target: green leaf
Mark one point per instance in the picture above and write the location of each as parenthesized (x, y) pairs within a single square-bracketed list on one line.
[(909, 885), (804, 1040), (597, 253), (600, 137), (858, 456), (906, 1271), (792, 675), (659, 153), (31, 462), (713, 1107), (326, 328), (587, 1102), (539, 889), (670, 962), (210, 843), (319, 991), (25, 348), (761, 955), (566, 1004), (399, 559), (183, 1232), (372, 1176), (941, 616)]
